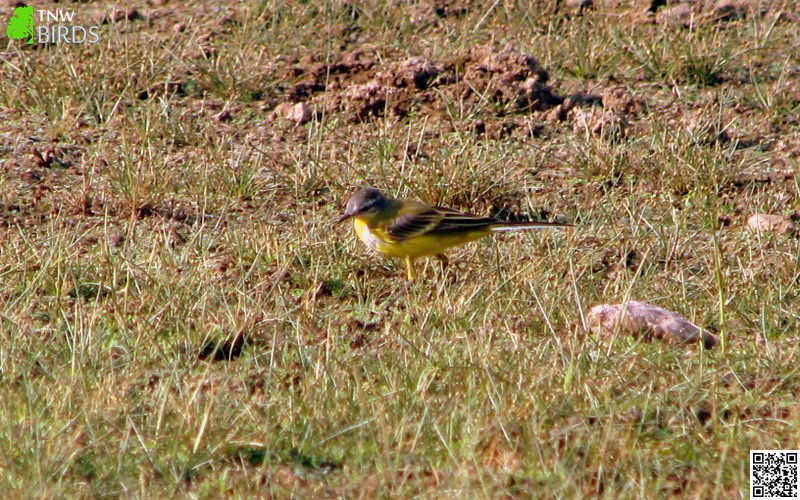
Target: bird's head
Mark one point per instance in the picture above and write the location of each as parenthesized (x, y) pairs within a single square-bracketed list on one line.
[(365, 204)]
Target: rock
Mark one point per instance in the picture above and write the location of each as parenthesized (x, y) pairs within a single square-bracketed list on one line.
[(732, 10), (299, 113), (771, 223), (679, 15), (641, 319)]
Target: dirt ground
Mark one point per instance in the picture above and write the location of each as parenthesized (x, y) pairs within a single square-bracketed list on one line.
[(355, 80)]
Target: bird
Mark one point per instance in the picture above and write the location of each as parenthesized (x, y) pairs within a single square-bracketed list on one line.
[(408, 229)]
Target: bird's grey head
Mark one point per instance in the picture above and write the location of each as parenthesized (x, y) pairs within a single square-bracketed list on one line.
[(367, 201)]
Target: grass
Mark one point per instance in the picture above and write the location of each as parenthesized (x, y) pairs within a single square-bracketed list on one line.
[(180, 316)]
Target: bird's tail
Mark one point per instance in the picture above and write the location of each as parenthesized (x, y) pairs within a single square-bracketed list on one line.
[(520, 226)]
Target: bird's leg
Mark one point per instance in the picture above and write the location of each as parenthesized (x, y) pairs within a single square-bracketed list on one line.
[(410, 268)]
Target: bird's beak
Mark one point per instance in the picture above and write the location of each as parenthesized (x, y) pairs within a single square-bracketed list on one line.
[(345, 216)]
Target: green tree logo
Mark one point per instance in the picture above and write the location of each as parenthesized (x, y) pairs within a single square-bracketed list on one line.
[(20, 26)]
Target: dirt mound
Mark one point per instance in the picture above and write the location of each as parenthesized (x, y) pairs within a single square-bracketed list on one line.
[(618, 113), (509, 77), (417, 72), (364, 86)]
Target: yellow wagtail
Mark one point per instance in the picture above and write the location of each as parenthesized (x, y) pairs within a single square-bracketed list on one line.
[(408, 229)]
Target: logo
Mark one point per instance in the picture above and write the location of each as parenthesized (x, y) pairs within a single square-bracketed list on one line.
[(20, 26), (52, 27)]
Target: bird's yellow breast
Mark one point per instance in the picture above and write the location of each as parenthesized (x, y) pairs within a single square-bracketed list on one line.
[(417, 246)]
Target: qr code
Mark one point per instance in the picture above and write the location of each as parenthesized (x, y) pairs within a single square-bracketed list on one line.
[(773, 474)]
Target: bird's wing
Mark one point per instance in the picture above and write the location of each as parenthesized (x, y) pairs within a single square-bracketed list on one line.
[(422, 220), (454, 221), (413, 221)]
